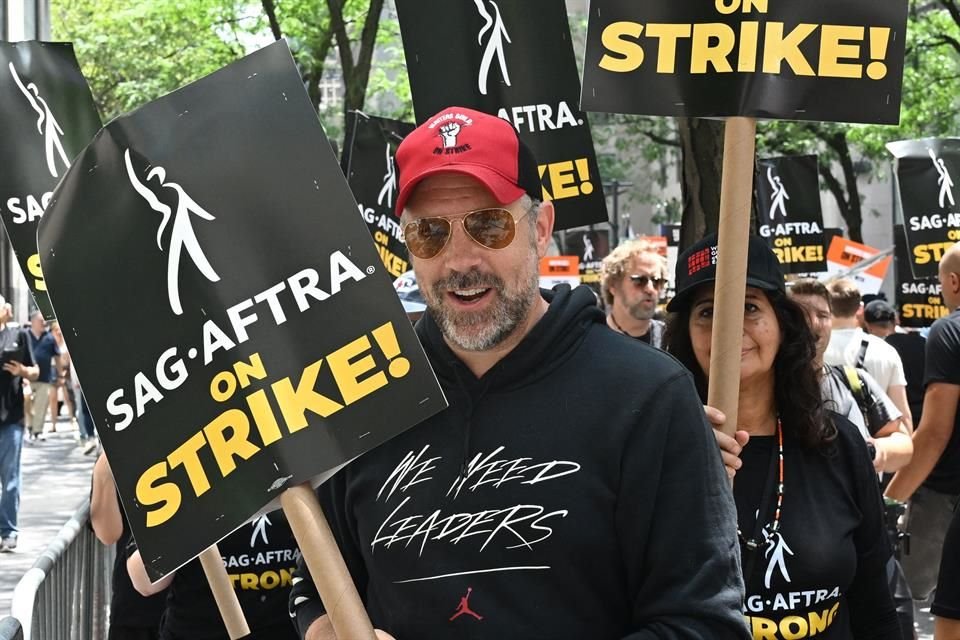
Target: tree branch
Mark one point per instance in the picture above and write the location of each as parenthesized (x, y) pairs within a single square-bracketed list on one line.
[(270, 9), (653, 137), (953, 9), (933, 44), (339, 30)]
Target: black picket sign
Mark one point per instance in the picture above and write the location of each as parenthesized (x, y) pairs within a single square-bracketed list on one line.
[(780, 59), (919, 301), (513, 59), (788, 203), (925, 177), (47, 117), (591, 247), (232, 323), (368, 163)]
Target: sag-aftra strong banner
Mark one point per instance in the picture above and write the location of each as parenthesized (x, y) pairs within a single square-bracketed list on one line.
[(839, 61), (368, 162), (788, 203), (925, 176), (47, 116), (514, 59), (231, 320)]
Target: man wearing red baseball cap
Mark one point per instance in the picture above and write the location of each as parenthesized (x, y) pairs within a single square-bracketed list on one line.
[(573, 488)]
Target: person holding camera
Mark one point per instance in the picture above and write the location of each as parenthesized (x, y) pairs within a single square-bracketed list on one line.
[(17, 363)]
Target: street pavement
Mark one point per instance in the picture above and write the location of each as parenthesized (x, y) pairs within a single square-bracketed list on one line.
[(56, 479)]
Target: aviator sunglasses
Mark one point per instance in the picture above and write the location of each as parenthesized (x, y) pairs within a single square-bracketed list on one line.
[(643, 281), (493, 228)]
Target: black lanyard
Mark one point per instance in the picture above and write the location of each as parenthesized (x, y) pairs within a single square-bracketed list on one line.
[(748, 548)]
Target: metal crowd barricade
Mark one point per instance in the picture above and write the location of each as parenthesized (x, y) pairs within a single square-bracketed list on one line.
[(65, 595), (10, 629)]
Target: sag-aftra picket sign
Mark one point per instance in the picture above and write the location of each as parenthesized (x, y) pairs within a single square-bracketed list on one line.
[(788, 203), (230, 318), (515, 60), (368, 163), (47, 116), (925, 177), (782, 59)]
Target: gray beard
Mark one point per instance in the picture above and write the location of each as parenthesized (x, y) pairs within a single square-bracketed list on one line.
[(482, 330), (638, 312)]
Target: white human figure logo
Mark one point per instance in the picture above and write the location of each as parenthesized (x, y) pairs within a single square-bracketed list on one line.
[(945, 182), (260, 529), (779, 195), (494, 47), (182, 234), (47, 125), (389, 181), (776, 548), (587, 249)]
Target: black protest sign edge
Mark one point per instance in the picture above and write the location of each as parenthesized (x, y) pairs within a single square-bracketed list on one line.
[(520, 65), (295, 359), (778, 59), (49, 114)]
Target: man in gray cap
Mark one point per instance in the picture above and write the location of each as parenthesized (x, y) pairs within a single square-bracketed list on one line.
[(880, 320)]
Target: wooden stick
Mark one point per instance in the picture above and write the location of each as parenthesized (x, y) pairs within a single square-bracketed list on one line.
[(322, 555), (736, 191), (223, 593)]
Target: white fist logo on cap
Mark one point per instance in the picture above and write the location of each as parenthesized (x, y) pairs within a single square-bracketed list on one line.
[(449, 133)]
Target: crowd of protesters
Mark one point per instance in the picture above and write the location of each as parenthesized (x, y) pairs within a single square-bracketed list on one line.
[(35, 381), (578, 485)]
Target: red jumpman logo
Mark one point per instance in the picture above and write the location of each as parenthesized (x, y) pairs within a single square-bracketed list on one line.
[(464, 607)]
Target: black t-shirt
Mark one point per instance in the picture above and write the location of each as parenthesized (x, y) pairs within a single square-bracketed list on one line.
[(127, 607), (943, 365), (260, 558), (946, 602), (911, 347), (823, 573), (14, 346)]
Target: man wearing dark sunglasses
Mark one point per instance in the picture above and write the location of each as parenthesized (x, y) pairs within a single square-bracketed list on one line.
[(573, 488), (632, 278)]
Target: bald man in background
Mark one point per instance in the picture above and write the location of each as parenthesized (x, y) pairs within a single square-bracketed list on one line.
[(932, 478)]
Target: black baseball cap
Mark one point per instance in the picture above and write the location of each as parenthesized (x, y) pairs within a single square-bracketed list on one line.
[(879, 311), (698, 265)]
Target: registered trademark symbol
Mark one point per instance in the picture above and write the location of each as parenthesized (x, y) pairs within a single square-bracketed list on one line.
[(370, 270)]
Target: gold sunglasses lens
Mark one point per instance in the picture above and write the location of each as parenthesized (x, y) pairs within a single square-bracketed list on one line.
[(492, 228), (426, 237)]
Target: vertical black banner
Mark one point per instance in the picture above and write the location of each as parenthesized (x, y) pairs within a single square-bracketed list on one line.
[(788, 202), (919, 302), (47, 116), (513, 59), (367, 162), (926, 170)]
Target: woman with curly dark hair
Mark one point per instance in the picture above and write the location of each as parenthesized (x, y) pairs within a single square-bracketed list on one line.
[(813, 546)]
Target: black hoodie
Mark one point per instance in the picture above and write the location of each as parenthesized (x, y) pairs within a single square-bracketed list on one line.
[(573, 491)]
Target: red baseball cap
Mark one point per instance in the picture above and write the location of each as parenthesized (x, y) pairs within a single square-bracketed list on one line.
[(460, 140)]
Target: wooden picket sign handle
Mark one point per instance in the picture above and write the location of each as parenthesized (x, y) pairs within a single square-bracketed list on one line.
[(322, 555), (736, 194), (223, 593)]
